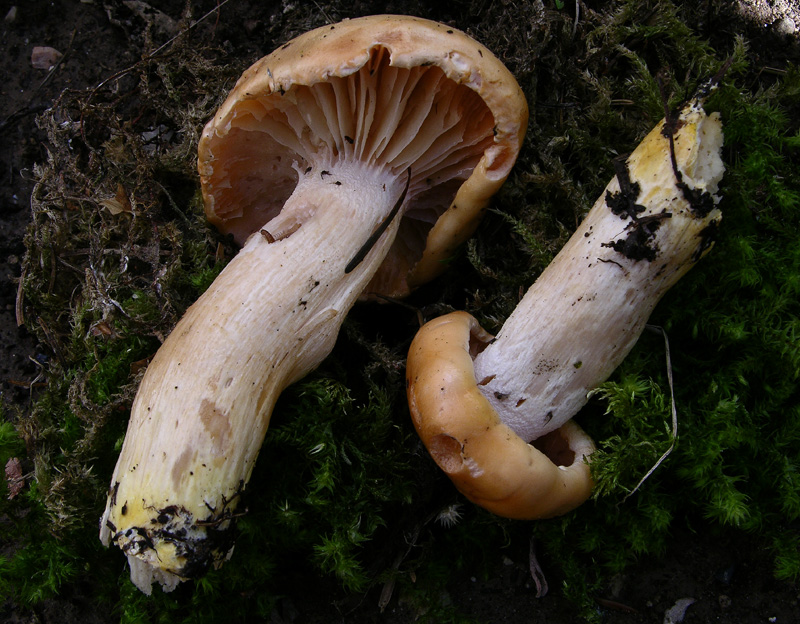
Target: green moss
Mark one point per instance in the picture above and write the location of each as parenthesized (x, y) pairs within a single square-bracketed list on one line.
[(10, 442), (339, 449), (108, 366), (39, 571)]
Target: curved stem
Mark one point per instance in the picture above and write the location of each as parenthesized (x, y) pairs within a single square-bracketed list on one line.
[(204, 404)]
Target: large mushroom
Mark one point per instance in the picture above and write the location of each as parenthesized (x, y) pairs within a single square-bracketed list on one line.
[(495, 413), (352, 160)]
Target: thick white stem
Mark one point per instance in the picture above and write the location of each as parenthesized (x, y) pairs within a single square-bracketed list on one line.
[(204, 404), (585, 312)]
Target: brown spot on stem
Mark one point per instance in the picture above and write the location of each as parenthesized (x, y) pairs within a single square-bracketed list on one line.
[(217, 425), (181, 467)]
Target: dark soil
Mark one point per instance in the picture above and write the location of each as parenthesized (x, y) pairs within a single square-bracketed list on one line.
[(729, 578)]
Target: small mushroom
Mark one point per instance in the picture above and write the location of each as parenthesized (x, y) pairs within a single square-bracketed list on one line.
[(349, 162), (495, 413)]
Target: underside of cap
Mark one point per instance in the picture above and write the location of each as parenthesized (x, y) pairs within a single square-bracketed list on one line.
[(389, 91), (485, 459)]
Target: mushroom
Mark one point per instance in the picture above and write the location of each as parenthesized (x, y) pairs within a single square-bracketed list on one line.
[(495, 413), (351, 161)]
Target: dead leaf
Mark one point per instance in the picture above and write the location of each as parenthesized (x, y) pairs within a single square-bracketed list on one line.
[(219, 256), (119, 203), (14, 478), (140, 365), (102, 329)]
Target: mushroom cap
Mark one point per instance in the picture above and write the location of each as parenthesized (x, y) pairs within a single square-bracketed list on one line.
[(447, 108), (489, 463)]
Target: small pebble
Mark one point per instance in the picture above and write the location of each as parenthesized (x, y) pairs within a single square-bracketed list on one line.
[(676, 613), (44, 57)]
